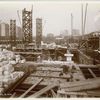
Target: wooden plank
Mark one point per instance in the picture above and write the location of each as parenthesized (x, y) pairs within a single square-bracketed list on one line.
[(49, 69), (83, 93), (53, 93), (13, 95), (34, 53), (19, 90), (69, 84), (39, 93), (81, 85), (62, 77), (92, 93), (86, 66), (32, 87), (92, 73), (45, 70), (71, 93)]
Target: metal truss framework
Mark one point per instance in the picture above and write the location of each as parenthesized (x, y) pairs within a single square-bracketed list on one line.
[(27, 25), (13, 32)]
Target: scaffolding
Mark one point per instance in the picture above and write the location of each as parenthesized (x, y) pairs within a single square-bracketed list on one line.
[(13, 32), (27, 25)]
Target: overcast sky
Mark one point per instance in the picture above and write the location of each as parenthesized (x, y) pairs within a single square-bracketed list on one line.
[(55, 15)]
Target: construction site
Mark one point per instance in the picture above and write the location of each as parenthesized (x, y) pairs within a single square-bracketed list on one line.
[(31, 69)]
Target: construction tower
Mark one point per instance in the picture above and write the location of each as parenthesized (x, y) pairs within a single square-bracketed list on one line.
[(13, 32), (27, 26), (38, 32)]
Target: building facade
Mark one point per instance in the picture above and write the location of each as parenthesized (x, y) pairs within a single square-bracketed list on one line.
[(19, 35), (4, 31)]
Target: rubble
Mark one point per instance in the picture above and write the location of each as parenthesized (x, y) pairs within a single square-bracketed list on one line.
[(7, 73)]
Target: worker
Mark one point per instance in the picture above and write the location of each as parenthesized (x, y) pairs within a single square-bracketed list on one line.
[(73, 69), (65, 68)]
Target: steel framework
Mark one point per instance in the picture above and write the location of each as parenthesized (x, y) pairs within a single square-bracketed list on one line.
[(27, 25), (13, 32)]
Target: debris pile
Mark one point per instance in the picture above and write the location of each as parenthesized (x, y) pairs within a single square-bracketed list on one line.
[(7, 73)]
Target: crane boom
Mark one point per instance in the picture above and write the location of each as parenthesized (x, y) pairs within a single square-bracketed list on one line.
[(19, 17), (85, 18)]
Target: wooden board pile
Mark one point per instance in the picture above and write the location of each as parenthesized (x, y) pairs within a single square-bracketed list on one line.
[(80, 88)]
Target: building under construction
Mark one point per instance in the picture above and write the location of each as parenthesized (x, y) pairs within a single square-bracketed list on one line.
[(38, 32), (50, 70), (27, 25), (10, 30)]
